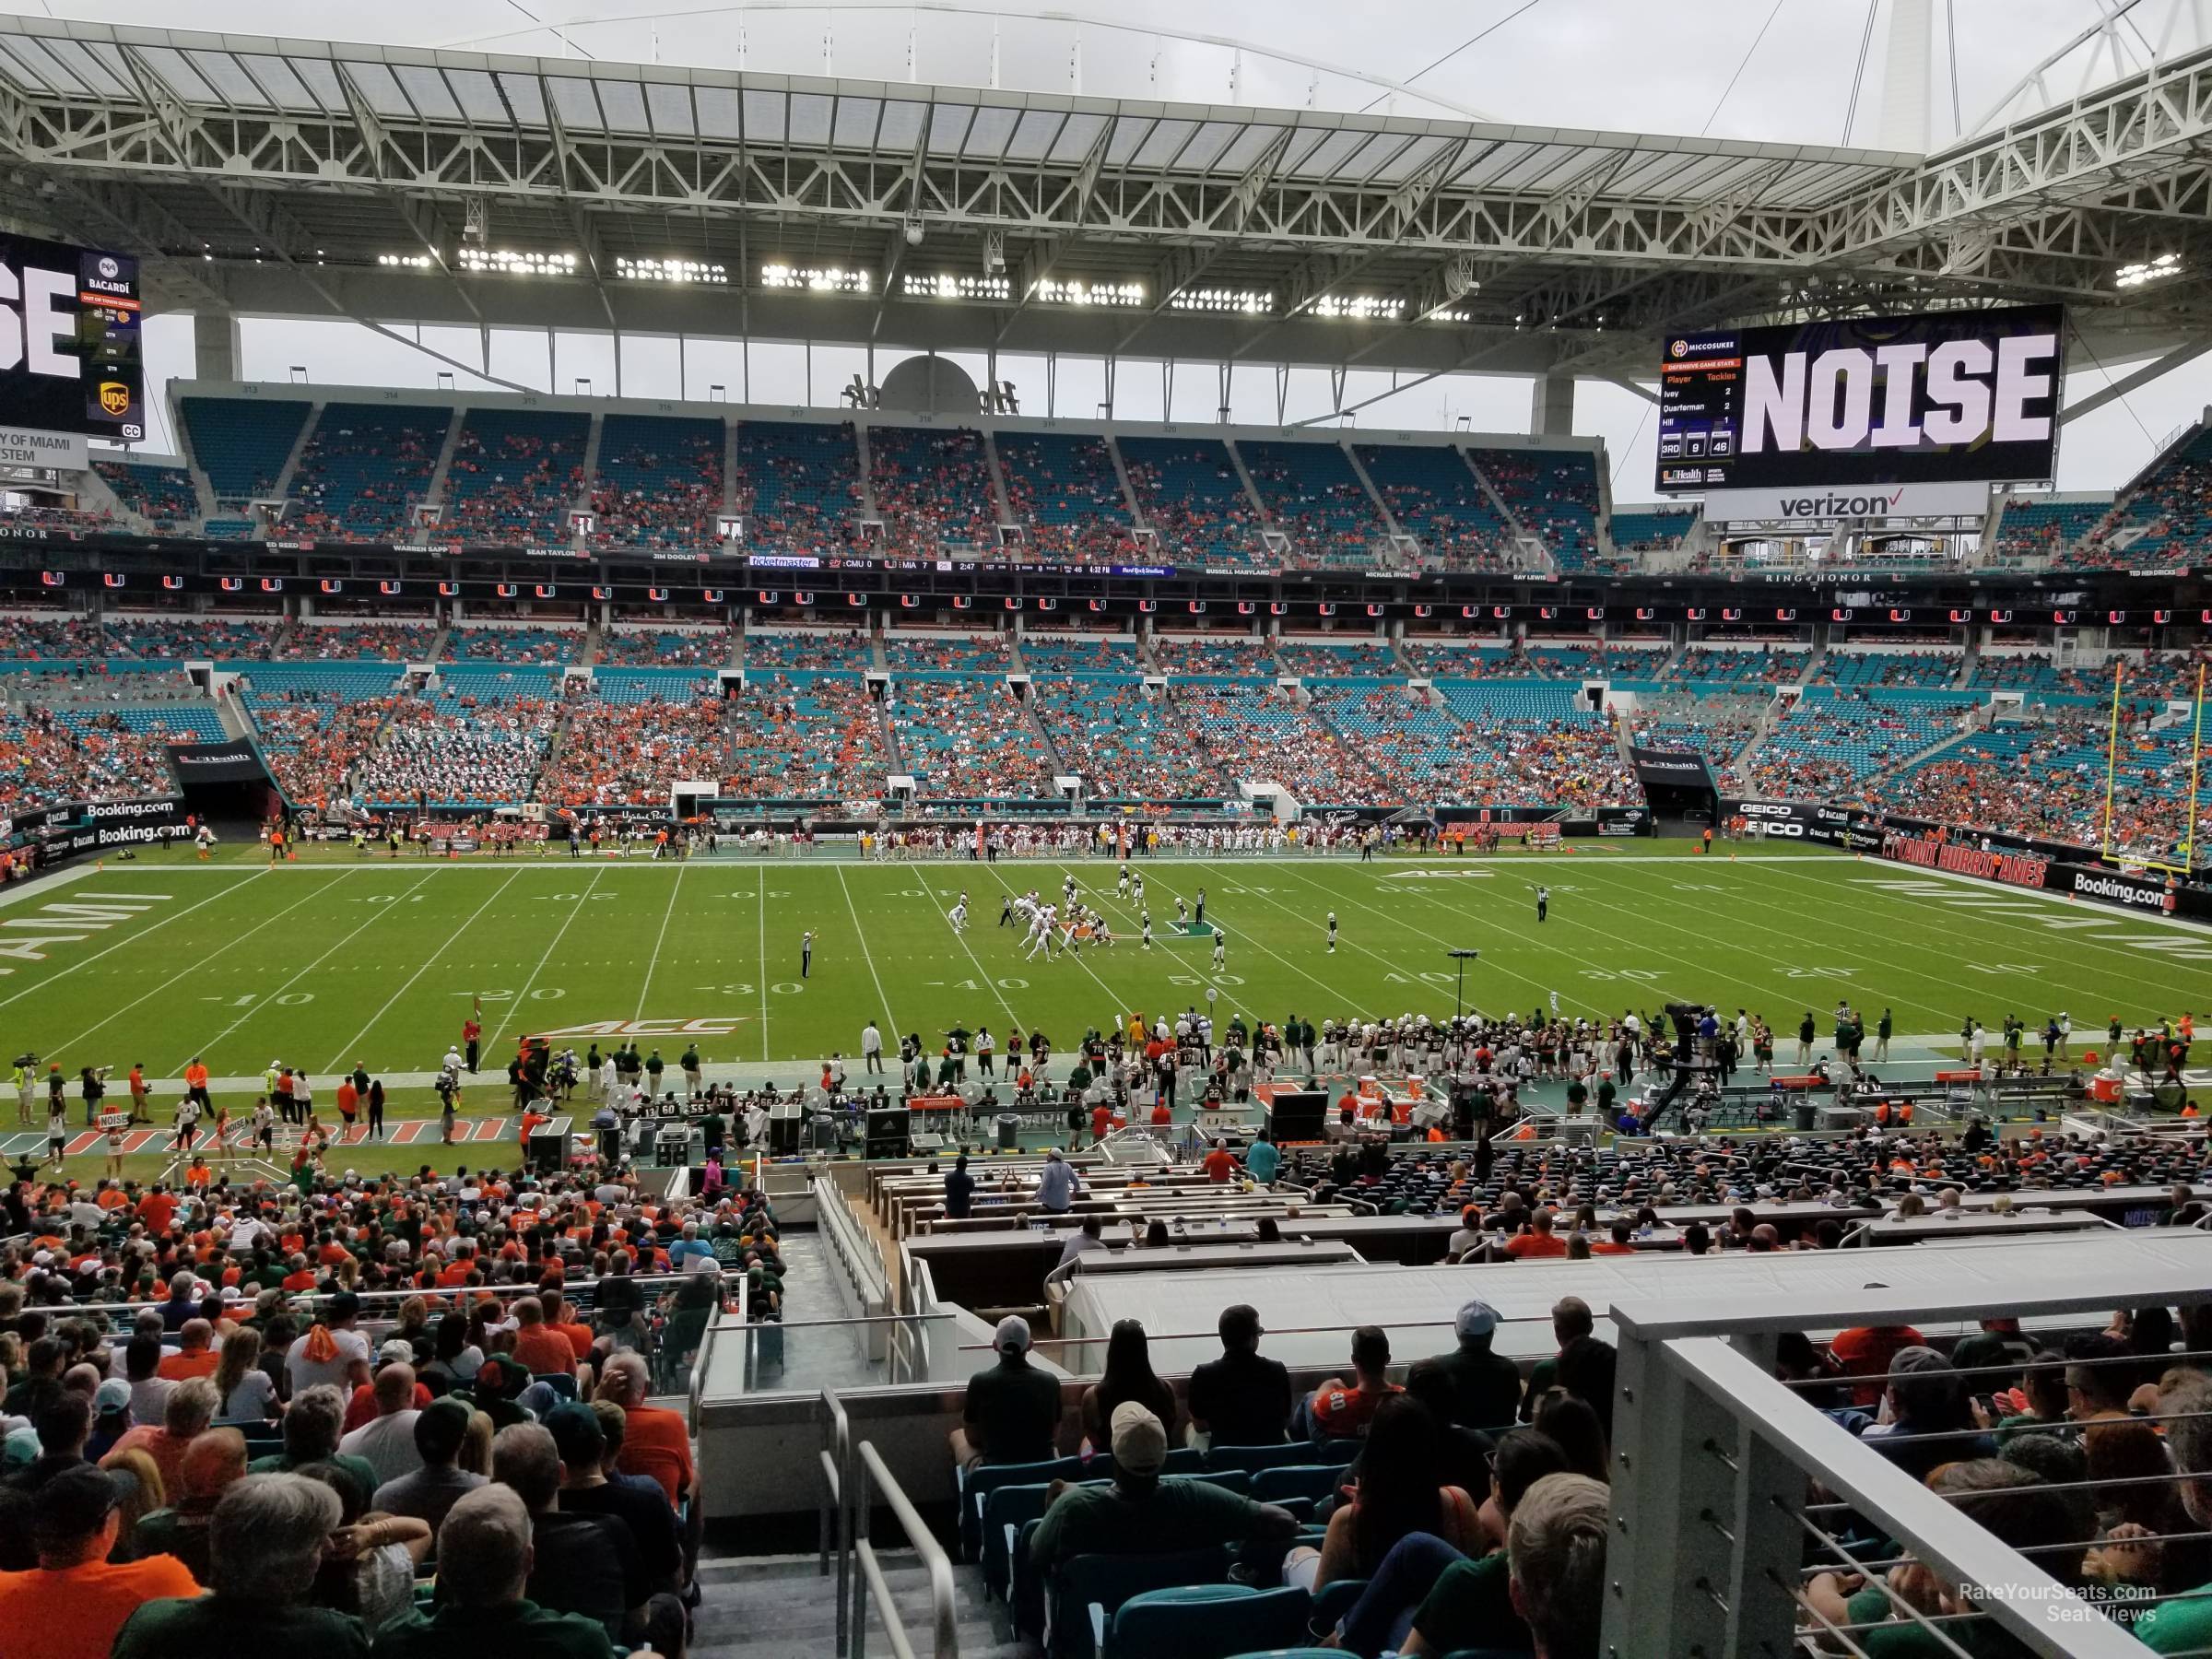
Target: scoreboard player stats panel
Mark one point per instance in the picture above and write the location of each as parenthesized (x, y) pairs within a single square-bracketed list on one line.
[(70, 357), (1940, 398)]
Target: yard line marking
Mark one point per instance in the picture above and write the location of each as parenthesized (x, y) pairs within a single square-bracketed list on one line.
[(333, 1064), (760, 873), (552, 945), (142, 933), (989, 979), (653, 961), (868, 954), (260, 1002), (199, 966)]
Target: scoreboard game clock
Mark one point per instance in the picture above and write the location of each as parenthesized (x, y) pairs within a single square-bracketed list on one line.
[(71, 356), (1862, 403)]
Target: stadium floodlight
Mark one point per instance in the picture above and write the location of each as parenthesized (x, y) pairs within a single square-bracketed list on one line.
[(671, 269), (406, 262), (509, 262), (1249, 301), (946, 286), (1053, 290), (821, 279), (1364, 308), (2151, 270)]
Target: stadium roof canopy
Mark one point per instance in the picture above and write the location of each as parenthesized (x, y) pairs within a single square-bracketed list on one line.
[(297, 178)]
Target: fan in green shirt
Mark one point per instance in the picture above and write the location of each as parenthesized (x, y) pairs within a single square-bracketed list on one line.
[(264, 1544)]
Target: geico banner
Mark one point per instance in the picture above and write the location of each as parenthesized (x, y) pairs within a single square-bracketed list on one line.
[(1870, 501), (1799, 820), (1846, 401)]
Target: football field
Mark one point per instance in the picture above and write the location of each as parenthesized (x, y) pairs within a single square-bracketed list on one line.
[(338, 958)]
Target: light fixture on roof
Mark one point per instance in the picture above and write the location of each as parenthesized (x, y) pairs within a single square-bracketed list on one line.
[(511, 262), (946, 286), (914, 231), (995, 252), (819, 279), (1053, 290), (2151, 270), (1249, 301), (1364, 308), (671, 269), (406, 262)]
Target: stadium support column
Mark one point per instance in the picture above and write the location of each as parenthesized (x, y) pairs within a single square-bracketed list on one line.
[(1551, 406), (216, 351), (1905, 78)]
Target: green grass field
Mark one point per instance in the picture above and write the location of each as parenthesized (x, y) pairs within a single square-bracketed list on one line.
[(338, 958)]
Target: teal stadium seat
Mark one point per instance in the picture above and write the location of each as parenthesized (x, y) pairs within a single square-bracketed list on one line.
[(1200, 1621)]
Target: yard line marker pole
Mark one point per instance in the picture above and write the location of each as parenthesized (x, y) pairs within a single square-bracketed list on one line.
[(2112, 759)]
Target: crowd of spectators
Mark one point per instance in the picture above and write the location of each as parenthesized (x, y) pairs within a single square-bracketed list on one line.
[(514, 477), (45, 759), (1764, 664), (1356, 659), (2044, 529), (1063, 488), (1193, 500), (969, 740), (630, 754), (359, 641), (313, 739), (665, 648), (521, 646), (795, 649), (171, 640), (458, 751), (363, 470), (977, 652), (54, 638), (1311, 494), (1070, 653), (1128, 743), (2165, 522), (1868, 670), (659, 482), (932, 489), (163, 496), (817, 738), (1478, 659), (797, 485), (1554, 494), (1715, 727), (1236, 656), (1254, 731), (1436, 499)]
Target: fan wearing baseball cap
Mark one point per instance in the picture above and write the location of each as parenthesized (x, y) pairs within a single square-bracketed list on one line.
[(1486, 1386), (75, 1598), (1144, 1513), (1013, 1410)]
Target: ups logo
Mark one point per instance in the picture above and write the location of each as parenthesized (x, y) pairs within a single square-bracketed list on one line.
[(114, 397)]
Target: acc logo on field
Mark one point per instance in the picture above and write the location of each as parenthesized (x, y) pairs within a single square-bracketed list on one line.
[(648, 1027), (114, 397)]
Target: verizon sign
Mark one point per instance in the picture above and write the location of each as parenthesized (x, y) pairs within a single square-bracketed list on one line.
[(1875, 502)]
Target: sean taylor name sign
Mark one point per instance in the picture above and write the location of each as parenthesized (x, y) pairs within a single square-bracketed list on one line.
[(1943, 398)]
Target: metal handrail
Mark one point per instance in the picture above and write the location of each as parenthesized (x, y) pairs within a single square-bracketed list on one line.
[(837, 1436), (875, 1480)]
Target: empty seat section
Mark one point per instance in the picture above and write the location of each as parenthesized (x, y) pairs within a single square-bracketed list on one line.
[(1439, 502), (241, 443), (1553, 493), (932, 489), (1314, 496), (364, 469), (1190, 494), (515, 475), (164, 496), (797, 485), (658, 482), (1061, 486)]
